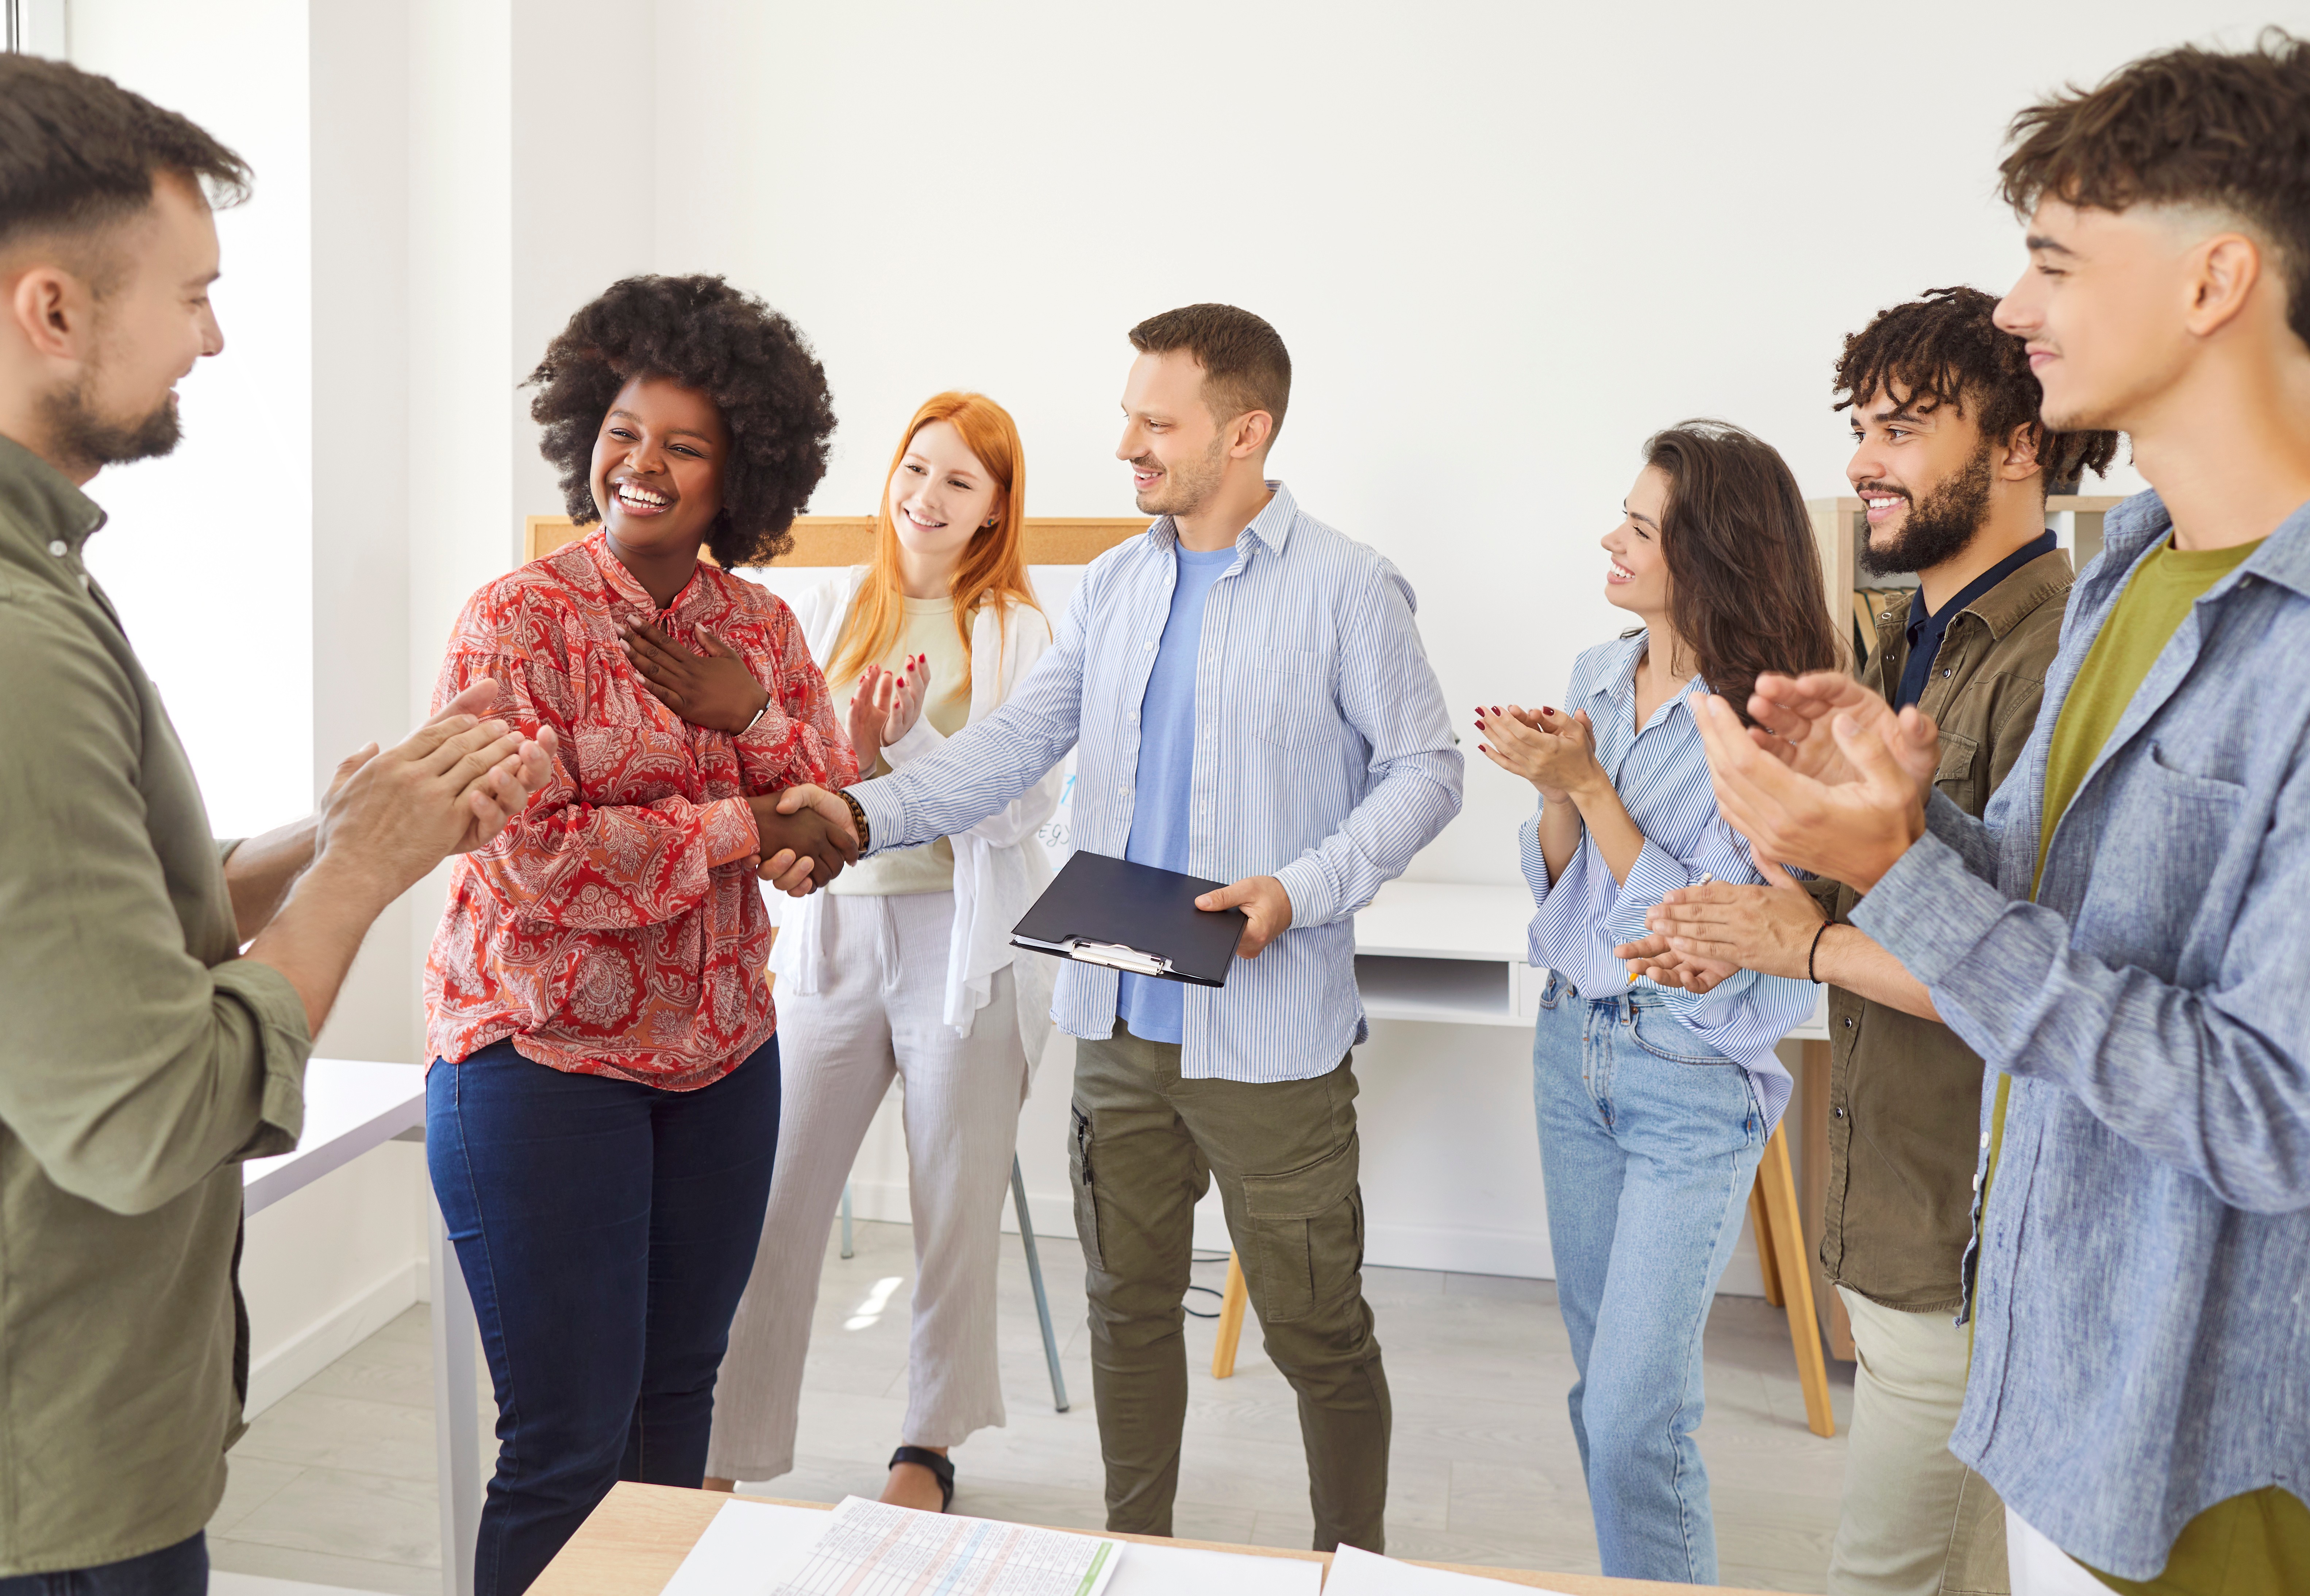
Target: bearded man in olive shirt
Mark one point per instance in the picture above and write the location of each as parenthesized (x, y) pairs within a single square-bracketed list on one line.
[(145, 1055), (1952, 463)]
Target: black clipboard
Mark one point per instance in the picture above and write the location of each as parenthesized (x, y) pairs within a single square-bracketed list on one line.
[(1133, 917)]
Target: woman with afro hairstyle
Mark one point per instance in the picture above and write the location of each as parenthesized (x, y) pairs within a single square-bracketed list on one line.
[(904, 968), (603, 1107)]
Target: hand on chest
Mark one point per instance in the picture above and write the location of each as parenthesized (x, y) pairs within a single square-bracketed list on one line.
[(634, 745)]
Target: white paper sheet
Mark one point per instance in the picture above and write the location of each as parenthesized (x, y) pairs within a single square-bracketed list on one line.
[(745, 1543), (870, 1549), (1366, 1573), (752, 1547), (1169, 1570)]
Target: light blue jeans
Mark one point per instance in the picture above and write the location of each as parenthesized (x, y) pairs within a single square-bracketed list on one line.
[(1648, 1141)]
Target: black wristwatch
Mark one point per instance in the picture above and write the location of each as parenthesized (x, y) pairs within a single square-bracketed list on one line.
[(857, 821)]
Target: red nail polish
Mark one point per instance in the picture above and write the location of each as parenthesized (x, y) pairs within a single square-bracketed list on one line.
[(1544, 709)]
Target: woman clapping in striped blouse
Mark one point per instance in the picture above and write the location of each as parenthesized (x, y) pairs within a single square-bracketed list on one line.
[(1655, 1103)]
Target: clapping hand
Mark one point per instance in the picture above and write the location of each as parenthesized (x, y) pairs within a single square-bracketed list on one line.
[(1726, 926), (1861, 805), (1652, 957), (1554, 752), (885, 706), (450, 787), (715, 691), (1795, 717)]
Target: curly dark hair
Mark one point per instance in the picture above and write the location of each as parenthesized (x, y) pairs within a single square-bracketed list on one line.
[(705, 334), (2184, 126), (1946, 349)]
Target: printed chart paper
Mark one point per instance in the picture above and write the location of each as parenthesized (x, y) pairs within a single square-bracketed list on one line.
[(755, 1548), (872, 1548), (1366, 1573)]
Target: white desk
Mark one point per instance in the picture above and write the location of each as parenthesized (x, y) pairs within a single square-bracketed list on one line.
[(1455, 955), (351, 1107)]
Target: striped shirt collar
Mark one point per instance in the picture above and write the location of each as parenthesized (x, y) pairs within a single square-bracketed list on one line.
[(1617, 686), (1272, 526)]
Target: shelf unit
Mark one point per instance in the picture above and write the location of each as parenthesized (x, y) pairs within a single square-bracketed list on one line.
[(1840, 529), (1449, 954)]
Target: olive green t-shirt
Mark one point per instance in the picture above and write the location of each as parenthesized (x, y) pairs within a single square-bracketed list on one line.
[(2242, 1546)]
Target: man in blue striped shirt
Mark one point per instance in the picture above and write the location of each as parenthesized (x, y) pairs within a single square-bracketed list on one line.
[(1253, 707)]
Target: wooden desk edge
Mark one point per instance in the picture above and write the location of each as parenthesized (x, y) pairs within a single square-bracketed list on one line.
[(639, 1536)]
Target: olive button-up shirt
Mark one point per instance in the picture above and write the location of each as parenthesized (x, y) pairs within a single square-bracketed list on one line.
[(140, 1060), (1904, 1093)]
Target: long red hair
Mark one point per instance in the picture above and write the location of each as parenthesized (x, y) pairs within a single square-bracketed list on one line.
[(993, 567)]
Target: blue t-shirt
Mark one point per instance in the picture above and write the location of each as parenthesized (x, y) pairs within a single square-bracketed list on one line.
[(1156, 1010)]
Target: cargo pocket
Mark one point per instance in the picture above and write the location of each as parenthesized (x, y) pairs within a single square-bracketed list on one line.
[(1306, 1240), (1079, 1176)]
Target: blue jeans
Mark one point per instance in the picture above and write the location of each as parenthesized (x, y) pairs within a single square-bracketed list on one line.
[(1649, 1144), (606, 1230), (178, 1570)]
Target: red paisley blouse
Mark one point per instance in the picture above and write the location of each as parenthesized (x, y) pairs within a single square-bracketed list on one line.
[(616, 928)]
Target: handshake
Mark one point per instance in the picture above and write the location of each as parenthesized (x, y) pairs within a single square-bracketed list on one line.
[(807, 838)]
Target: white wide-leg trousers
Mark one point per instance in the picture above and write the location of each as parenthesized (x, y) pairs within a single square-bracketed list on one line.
[(877, 1015)]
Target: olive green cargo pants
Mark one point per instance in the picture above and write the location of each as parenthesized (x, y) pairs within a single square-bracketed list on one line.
[(1146, 1146)]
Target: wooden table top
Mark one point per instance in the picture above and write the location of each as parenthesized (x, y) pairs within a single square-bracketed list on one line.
[(640, 1533)]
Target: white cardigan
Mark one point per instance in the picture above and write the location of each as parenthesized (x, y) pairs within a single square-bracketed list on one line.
[(999, 867)]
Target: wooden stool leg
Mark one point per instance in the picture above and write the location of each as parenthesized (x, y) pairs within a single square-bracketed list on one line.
[(1778, 1183), (1762, 1223), (1231, 1305)]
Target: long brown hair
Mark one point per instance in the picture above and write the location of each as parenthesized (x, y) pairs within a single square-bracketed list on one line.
[(1744, 590), (993, 565)]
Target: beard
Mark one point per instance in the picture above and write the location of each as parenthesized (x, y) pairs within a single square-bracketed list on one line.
[(78, 433), (1937, 526), (1186, 489)]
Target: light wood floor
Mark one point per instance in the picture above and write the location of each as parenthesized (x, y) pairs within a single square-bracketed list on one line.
[(334, 1484)]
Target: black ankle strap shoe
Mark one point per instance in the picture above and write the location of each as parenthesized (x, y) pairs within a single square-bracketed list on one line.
[(940, 1469)]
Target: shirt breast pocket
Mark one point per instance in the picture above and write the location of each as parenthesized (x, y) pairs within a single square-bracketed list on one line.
[(1293, 706), (1959, 774), (2162, 835)]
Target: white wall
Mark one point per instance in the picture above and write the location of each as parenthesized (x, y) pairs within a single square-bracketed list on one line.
[(208, 552), (222, 557), (1504, 243)]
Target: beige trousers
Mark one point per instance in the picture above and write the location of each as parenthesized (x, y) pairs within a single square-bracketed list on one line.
[(1915, 1522), (875, 1017)]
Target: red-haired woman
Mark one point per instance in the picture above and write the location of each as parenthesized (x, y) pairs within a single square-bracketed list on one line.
[(904, 967)]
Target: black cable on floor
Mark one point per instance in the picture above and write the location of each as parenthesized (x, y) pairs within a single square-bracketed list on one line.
[(1195, 1257)]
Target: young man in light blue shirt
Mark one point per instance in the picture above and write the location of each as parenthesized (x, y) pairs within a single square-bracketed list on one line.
[(1254, 707)]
